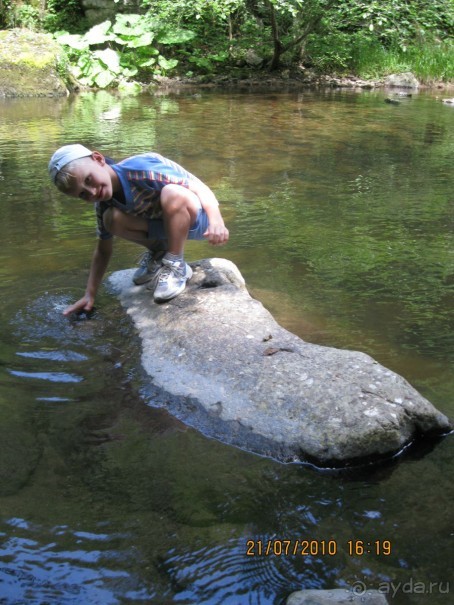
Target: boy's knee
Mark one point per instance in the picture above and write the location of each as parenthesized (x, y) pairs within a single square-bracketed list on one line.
[(111, 217), (107, 218), (176, 197)]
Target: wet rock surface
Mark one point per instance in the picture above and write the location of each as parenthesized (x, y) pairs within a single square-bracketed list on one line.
[(231, 371), (338, 595)]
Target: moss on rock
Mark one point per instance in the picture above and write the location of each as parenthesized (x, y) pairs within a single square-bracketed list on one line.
[(31, 64)]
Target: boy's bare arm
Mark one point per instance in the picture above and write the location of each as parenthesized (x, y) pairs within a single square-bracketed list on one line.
[(99, 263), (217, 233)]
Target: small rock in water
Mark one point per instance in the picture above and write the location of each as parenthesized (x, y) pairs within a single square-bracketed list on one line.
[(358, 593)]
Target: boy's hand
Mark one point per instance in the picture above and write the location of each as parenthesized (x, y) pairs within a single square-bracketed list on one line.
[(217, 234), (84, 304)]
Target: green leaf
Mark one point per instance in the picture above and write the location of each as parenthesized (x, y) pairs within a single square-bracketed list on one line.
[(167, 64), (149, 52), (128, 72), (88, 66), (223, 56), (75, 41), (77, 72), (110, 58), (129, 25), (86, 81), (143, 40), (104, 78), (175, 36), (93, 69), (98, 34), (148, 62)]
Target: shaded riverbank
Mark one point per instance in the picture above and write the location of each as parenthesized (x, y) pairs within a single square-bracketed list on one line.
[(289, 78), (33, 64)]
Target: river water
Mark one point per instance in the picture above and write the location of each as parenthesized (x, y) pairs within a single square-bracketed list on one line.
[(340, 208)]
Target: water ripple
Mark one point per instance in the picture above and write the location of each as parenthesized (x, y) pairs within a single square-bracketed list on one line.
[(33, 571), (50, 376), (53, 355), (224, 575)]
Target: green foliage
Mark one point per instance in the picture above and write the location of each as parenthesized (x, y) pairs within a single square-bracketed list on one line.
[(365, 37), (208, 16), (433, 61), (291, 22), (64, 15), (330, 53), (394, 22), (368, 58), (5, 11), (23, 15), (216, 27), (227, 29), (328, 35), (372, 39), (52, 15), (113, 52)]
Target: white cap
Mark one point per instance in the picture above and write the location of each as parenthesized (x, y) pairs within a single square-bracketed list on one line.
[(64, 155)]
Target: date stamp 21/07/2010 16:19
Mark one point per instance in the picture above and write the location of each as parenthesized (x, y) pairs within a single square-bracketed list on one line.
[(316, 548)]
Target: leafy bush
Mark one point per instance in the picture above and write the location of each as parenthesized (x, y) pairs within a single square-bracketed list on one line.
[(216, 25), (394, 22), (366, 37), (23, 15), (373, 38), (109, 53)]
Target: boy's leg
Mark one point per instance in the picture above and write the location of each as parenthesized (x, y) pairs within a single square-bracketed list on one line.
[(136, 229), (127, 226), (180, 208)]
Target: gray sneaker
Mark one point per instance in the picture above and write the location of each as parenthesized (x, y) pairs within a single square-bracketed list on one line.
[(149, 267), (172, 280)]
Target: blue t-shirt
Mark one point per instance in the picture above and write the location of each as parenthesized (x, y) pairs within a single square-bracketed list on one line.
[(142, 178)]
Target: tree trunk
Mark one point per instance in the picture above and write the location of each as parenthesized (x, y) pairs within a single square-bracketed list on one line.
[(278, 46)]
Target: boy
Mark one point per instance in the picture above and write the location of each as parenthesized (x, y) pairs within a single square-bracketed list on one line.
[(146, 199)]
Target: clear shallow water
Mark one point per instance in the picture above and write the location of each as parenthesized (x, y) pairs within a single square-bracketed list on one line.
[(340, 210)]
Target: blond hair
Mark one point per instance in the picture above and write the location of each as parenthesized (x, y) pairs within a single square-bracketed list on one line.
[(64, 178)]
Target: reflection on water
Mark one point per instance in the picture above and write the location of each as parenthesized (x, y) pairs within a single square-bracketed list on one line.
[(340, 211), (72, 568)]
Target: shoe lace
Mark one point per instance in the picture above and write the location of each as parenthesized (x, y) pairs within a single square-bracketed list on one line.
[(168, 268), (145, 258)]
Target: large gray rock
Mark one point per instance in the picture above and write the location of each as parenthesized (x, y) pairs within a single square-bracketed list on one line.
[(403, 80), (97, 11), (235, 374), (29, 65)]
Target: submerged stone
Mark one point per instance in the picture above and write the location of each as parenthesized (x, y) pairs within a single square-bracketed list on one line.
[(233, 372)]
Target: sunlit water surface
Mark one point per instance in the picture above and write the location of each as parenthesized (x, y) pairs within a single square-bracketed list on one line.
[(340, 208)]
